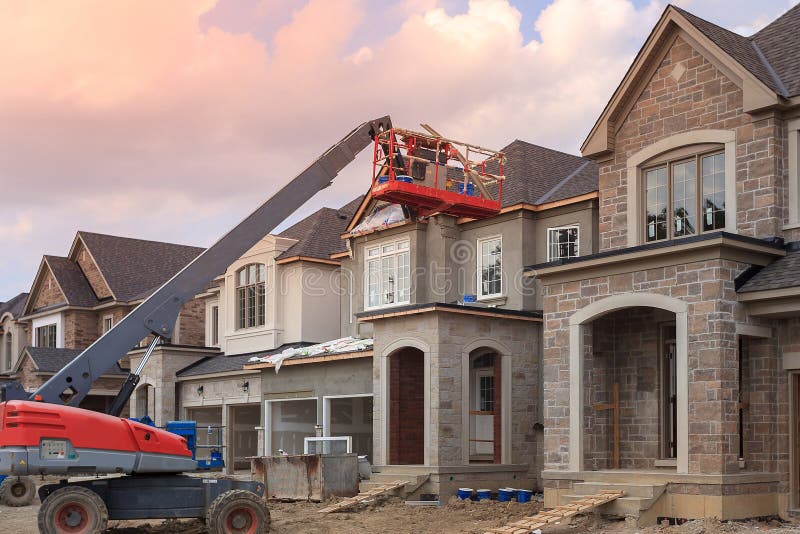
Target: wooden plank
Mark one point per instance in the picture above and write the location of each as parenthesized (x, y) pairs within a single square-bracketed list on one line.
[(361, 497), (542, 519)]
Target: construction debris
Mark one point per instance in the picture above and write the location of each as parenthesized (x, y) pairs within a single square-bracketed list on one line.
[(337, 346), (542, 519), (365, 496)]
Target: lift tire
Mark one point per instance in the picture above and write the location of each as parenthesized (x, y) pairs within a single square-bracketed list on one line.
[(238, 512), (17, 491), (75, 510)]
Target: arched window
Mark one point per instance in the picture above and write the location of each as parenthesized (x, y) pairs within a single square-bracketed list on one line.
[(250, 296), (8, 352)]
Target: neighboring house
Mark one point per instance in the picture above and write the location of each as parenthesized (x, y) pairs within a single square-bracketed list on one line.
[(456, 386), (281, 293), (690, 310), (77, 298), (13, 334)]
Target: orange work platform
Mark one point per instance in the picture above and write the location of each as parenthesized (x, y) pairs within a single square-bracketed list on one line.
[(437, 175)]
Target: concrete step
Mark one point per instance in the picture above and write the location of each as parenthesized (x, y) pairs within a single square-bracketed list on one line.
[(648, 491)]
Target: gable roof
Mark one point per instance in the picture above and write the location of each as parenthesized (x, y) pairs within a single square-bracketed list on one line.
[(319, 234), (14, 306), (50, 360), (780, 274), (779, 42), (72, 281), (135, 267)]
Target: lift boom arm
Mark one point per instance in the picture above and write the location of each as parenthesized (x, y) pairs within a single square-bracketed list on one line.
[(158, 313)]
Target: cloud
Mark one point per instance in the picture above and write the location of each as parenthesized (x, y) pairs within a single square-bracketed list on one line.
[(156, 120)]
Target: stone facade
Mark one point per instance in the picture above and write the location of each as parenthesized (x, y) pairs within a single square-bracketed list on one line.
[(80, 328), (49, 293), (192, 324), (90, 270)]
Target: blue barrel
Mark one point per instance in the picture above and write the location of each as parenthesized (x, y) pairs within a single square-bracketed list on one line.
[(464, 493), (524, 495), (470, 188), (484, 494), (505, 494), (383, 179)]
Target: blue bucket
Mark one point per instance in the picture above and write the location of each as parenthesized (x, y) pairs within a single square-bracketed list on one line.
[(470, 188), (383, 179), (470, 298), (404, 178), (464, 493), (505, 494), (524, 495), (484, 494)]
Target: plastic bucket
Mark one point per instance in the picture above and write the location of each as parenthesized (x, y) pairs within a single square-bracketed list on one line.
[(524, 495), (470, 188), (464, 493), (383, 179), (505, 494), (484, 494), (470, 298)]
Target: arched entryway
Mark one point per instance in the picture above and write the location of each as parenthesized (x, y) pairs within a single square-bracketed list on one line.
[(145, 401), (628, 355), (406, 386)]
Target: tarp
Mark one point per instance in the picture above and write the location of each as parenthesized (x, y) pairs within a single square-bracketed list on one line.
[(337, 346), (381, 217)]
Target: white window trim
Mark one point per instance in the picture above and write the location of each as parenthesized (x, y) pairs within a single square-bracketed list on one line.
[(565, 227), (634, 182), (381, 254), (48, 320), (794, 174), (106, 317), (268, 419), (479, 281)]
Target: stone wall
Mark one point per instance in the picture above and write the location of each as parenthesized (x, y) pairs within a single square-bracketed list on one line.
[(192, 322), (687, 92), (708, 289), (80, 329), (91, 272), (48, 292)]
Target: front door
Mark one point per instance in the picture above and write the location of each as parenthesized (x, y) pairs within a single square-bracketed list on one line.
[(669, 407)]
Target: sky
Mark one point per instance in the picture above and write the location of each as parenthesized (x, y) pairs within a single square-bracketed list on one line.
[(172, 121)]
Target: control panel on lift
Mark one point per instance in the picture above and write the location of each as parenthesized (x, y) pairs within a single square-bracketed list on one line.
[(56, 449)]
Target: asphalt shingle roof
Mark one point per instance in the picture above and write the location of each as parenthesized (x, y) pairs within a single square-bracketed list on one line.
[(537, 175), (134, 267), (772, 54), (14, 306), (72, 281), (49, 360), (319, 234), (223, 363), (780, 274)]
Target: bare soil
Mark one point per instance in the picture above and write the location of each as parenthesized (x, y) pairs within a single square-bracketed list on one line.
[(395, 517)]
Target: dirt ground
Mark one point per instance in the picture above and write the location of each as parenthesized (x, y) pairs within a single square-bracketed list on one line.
[(396, 517)]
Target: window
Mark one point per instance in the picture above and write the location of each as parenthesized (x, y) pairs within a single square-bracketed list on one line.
[(679, 202), (46, 336), (562, 243), (388, 275), (108, 323), (214, 325), (250, 296), (490, 271), (8, 350)]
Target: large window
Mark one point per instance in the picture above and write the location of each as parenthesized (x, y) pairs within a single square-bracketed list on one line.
[(562, 243), (250, 296), (680, 201), (388, 275), (46, 336), (490, 269)]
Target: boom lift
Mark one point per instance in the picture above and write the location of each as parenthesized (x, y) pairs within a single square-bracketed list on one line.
[(46, 433)]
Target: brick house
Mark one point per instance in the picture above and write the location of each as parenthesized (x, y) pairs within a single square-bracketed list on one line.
[(77, 298), (13, 333), (687, 317), (456, 384)]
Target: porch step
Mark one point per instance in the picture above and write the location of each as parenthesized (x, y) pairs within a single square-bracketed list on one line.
[(382, 475), (638, 497)]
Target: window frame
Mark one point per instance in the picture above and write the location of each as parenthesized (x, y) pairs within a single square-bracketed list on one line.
[(564, 227), (669, 162), (395, 253), (479, 282), (49, 336), (254, 316), (214, 325), (110, 320)]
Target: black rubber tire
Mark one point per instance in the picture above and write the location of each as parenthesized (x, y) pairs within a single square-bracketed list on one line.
[(73, 503), (238, 512), (17, 491)]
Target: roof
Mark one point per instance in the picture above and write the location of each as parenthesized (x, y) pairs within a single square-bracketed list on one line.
[(14, 306), (319, 234), (344, 345), (134, 267), (779, 41), (538, 175), (223, 363), (72, 281), (780, 274), (744, 50), (49, 360)]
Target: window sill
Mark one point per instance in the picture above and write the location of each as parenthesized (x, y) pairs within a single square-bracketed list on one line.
[(669, 462), (496, 300), (791, 226)]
